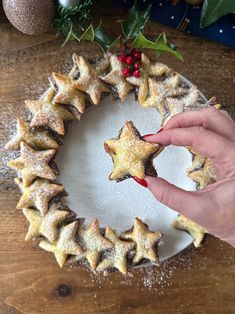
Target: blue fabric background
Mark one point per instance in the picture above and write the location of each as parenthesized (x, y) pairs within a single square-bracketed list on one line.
[(187, 18)]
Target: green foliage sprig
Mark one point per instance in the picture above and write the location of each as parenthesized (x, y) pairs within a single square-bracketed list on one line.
[(78, 26)]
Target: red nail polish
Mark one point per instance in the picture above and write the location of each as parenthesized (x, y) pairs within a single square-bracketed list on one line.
[(160, 130), (147, 135), (141, 181)]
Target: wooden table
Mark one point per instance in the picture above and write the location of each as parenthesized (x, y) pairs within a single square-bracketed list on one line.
[(196, 281)]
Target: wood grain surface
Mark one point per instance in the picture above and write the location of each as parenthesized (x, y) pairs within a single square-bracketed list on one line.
[(195, 281)]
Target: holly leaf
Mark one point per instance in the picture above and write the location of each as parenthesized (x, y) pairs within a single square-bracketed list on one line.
[(89, 34), (100, 37), (135, 21), (70, 36), (212, 10), (159, 45)]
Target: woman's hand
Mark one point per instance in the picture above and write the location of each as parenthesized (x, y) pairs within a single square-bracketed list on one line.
[(211, 133)]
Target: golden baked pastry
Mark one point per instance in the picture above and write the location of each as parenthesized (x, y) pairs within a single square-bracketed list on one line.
[(48, 114), (160, 91), (46, 225), (197, 232), (148, 69), (117, 258), (65, 244), (93, 244), (67, 94), (35, 138), (131, 155), (146, 241), (89, 79), (32, 164), (115, 78), (38, 194)]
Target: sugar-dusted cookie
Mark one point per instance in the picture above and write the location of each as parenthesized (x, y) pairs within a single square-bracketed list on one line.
[(46, 225), (38, 194), (65, 244), (89, 79), (39, 139), (48, 114), (159, 91), (33, 164), (204, 176), (131, 155), (118, 255), (67, 94), (148, 69), (93, 244), (197, 232), (188, 102), (115, 78), (146, 241)]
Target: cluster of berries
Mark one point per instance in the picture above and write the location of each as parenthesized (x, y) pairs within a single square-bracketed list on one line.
[(132, 61)]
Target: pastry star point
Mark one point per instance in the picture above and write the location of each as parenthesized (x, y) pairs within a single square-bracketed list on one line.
[(67, 94), (130, 154), (34, 138), (147, 69), (65, 244), (159, 91), (44, 225), (47, 113), (38, 194), (32, 164), (117, 257), (93, 243), (89, 80), (115, 77), (197, 232), (145, 241)]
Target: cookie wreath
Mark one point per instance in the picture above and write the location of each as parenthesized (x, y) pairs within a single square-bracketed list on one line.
[(38, 140)]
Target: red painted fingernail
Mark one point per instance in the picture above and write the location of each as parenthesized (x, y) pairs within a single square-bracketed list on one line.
[(141, 181), (147, 135), (160, 130)]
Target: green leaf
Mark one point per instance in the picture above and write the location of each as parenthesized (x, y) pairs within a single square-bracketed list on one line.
[(89, 34), (212, 10), (70, 36), (135, 22), (102, 37), (160, 45)]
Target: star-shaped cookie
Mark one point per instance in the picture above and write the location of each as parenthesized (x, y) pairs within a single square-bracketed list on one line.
[(148, 69), (67, 94), (89, 80), (93, 244), (38, 194), (131, 155), (197, 160), (115, 78), (160, 90), (197, 232), (204, 176), (39, 139), (46, 225), (33, 164), (49, 114), (146, 241), (188, 102), (117, 257), (65, 244)]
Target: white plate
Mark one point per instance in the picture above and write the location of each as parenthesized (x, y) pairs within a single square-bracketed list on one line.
[(85, 166)]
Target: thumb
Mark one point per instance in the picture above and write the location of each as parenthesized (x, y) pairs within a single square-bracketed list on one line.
[(185, 202)]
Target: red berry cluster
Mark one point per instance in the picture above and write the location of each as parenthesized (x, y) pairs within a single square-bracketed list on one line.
[(132, 61)]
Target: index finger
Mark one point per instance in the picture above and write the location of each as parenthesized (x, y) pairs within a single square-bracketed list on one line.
[(209, 118), (205, 142)]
